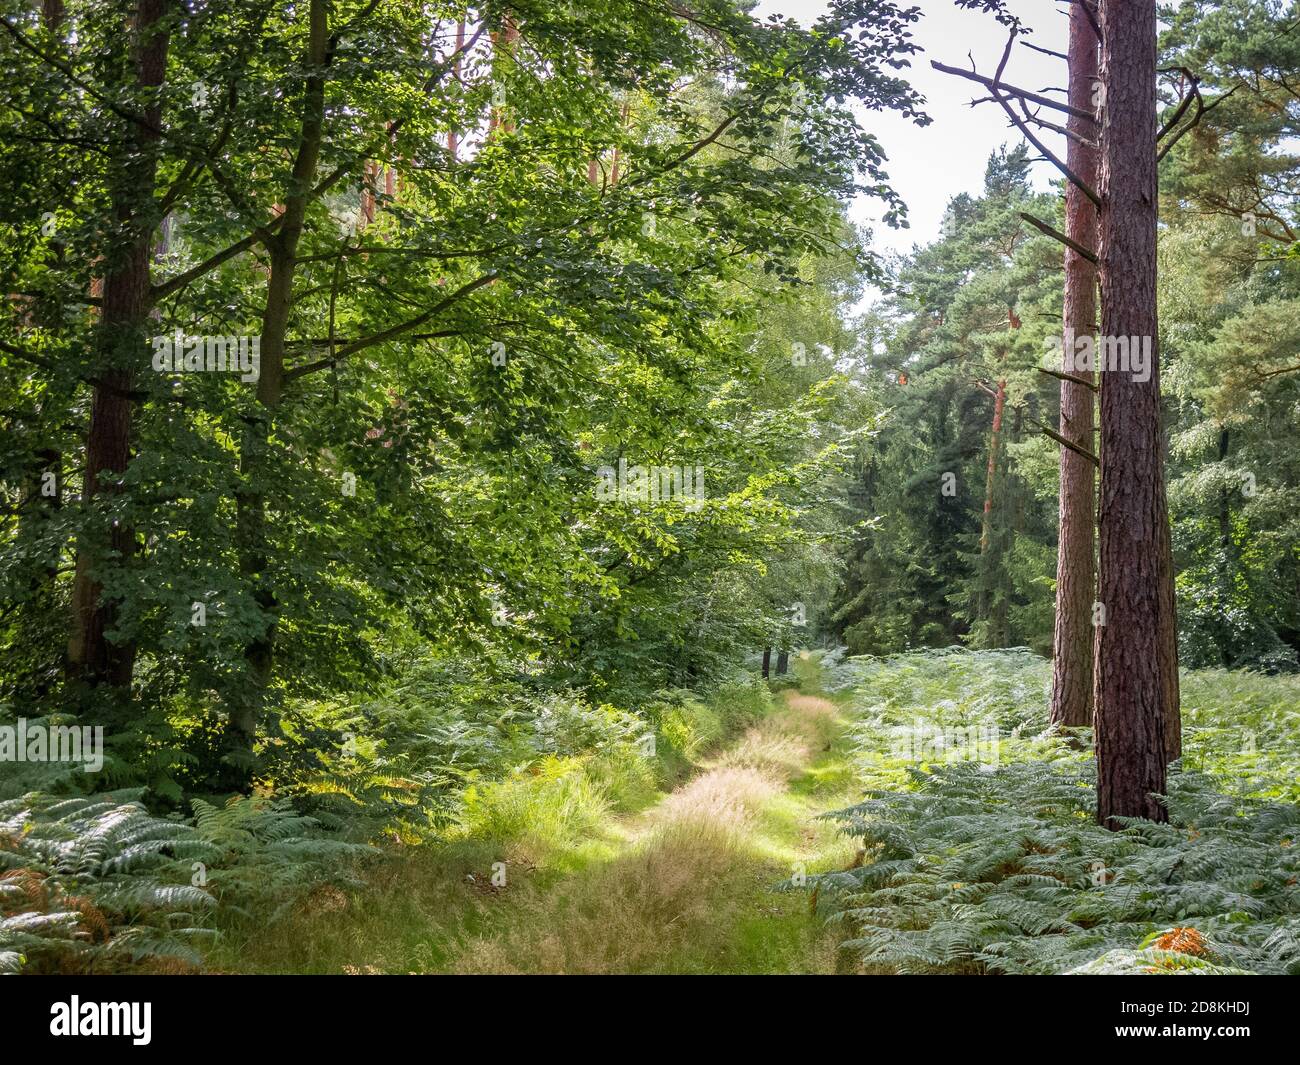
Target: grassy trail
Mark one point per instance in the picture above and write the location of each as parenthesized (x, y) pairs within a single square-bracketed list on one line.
[(689, 890), (684, 886)]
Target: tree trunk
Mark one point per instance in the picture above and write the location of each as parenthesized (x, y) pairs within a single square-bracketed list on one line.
[(254, 550), (989, 608), (1075, 567), (120, 351), (995, 436), (782, 662), (1130, 696), (767, 662), (502, 53)]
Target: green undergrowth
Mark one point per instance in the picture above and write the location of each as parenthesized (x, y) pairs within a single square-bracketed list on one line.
[(608, 862), (982, 849), (558, 806), (429, 786), (99, 884)]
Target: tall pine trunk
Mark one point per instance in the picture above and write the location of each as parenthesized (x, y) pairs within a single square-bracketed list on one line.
[(1130, 693), (1075, 566), (120, 352), (990, 607)]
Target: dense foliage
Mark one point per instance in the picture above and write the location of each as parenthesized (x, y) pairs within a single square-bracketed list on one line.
[(484, 255), (984, 855)]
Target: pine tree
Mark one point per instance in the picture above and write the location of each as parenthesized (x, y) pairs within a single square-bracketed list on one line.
[(1075, 567), (1132, 557)]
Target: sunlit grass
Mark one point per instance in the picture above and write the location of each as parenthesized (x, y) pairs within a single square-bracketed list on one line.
[(594, 885)]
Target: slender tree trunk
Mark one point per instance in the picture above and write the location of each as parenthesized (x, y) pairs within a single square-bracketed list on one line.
[(254, 550), (999, 402), (782, 662), (1130, 707), (120, 351), (1075, 566), (767, 662), (502, 53), (614, 173), (1228, 569)]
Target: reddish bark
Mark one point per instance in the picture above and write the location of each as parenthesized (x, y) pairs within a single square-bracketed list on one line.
[(453, 137), (119, 353), (1130, 695), (999, 402), (502, 48), (1075, 567)]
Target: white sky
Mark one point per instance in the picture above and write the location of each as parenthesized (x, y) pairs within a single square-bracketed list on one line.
[(929, 165)]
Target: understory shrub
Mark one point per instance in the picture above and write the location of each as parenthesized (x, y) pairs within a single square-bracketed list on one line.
[(551, 803), (1009, 872)]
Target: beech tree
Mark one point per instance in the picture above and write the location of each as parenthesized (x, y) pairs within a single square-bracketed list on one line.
[(235, 545)]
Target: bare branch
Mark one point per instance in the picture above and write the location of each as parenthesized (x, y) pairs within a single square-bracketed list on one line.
[(1011, 90), (1067, 444), (1064, 131), (1056, 234), (1046, 51), (1028, 134)]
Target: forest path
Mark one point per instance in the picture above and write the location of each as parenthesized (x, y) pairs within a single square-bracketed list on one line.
[(689, 887), (686, 885)]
